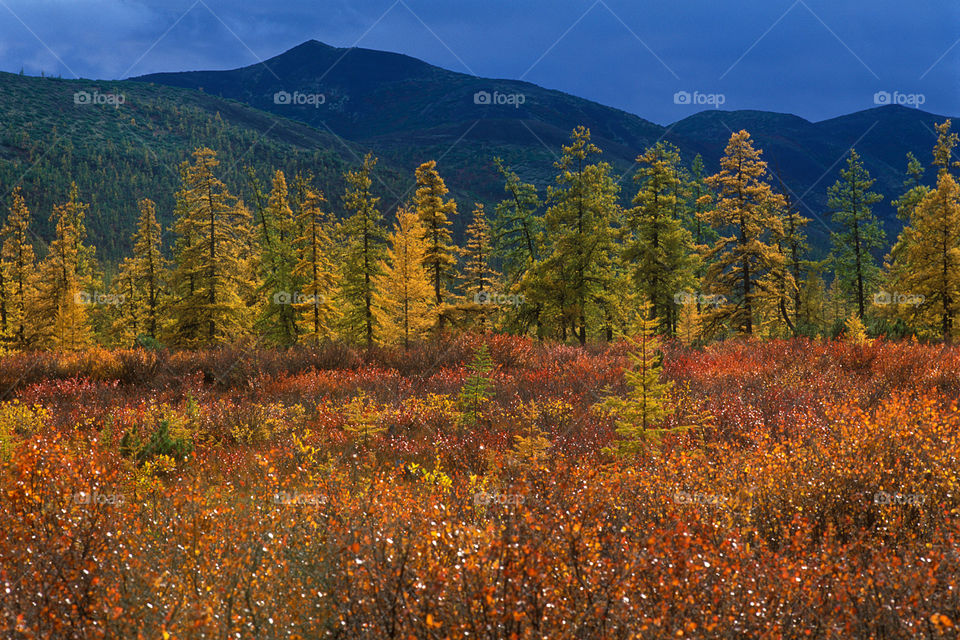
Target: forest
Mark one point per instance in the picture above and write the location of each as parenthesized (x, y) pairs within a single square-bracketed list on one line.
[(701, 257), (588, 421)]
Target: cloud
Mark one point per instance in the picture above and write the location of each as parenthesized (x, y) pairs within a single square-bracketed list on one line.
[(815, 58)]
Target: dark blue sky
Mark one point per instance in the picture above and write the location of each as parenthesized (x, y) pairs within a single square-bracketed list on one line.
[(814, 58)]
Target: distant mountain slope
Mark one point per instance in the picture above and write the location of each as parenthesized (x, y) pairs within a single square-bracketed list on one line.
[(409, 111), (54, 131)]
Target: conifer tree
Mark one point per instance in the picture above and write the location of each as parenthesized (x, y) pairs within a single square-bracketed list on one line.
[(795, 248), (860, 232), (404, 307), (477, 387), (280, 287), (364, 239), (923, 227), (688, 324), (744, 259), (930, 257), (4, 299), (479, 277), (21, 277), (641, 415), (435, 217), (854, 331), (813, 298), (914, 189), (658, 246), (897, 263), (141, 279), (210, 277), (315, 271), (517, 237), (578, 230), (68, 280), (362, 419), (943, 151)]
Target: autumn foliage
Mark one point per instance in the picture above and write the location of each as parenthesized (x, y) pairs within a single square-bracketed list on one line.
[(326, 492)]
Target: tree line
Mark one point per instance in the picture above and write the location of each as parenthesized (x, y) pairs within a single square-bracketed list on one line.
[(699, 257)]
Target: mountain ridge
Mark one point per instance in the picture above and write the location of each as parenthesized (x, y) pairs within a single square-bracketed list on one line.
[(411, 111)]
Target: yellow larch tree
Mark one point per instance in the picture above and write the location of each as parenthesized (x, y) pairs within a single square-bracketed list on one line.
[(20, 275), (404, 308), (315, 271)]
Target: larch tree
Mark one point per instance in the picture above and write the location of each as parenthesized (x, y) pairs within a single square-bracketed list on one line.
[(517, 240), (579, 236), (210, 277), (4, 300), (68, 280), (747, 216), (897, 265), (315, 271), (479, 282), (280, 287), (363, 240), (141, 278), (21, 276), (404, 304), (943, 151), (914, 189), (794, 246), (641, 416), (860, 233), (930, 255), (435, 214), (657, 245)]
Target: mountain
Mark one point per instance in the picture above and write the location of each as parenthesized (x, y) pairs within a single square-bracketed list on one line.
[(403, 109), (409, 111)]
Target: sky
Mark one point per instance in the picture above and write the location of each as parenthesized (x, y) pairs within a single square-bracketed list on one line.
[(660, 59)]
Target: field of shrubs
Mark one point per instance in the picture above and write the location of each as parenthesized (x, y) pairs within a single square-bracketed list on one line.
[(431, 493)]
